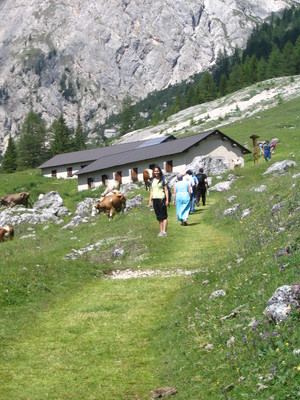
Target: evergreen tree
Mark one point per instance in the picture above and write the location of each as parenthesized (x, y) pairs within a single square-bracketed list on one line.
[(32, 149), (297, 56), (253, 69), (61, 136), (235, 78), (275, 63), (223, 85), (207, 88), (191, 97), (127, 115), (289, 64), (156, 117), (79, 140), (10, 158), (262, 69)]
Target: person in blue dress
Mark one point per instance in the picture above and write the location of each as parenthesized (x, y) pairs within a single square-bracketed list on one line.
[(267, 151), (182, 199)]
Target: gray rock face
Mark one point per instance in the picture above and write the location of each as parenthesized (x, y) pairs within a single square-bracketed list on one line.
[(211, 165), (284, 299), (99, 51)]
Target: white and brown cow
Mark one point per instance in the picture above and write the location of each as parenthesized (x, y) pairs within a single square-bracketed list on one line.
[(11, 200), (147, 176), (110, 203), (6, 232)]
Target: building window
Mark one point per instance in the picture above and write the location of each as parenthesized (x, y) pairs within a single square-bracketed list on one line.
[(104, 179), (169, 166), (134, 174), (69, 172), (118, 176), (90, 183), (53, 173)]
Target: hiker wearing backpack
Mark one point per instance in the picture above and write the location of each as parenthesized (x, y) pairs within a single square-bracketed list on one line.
[(202, 186), (159, 194)]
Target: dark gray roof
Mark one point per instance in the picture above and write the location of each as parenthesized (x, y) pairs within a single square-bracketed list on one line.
[(88, 156), (151, 152)]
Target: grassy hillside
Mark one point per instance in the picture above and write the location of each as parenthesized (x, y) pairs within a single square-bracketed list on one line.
[(68, 331)]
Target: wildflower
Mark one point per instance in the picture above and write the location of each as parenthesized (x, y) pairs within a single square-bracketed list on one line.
[(298, 368), (277, 350), (218, 383), (287, 344), (253, 308), (265, 334), (244, 339)]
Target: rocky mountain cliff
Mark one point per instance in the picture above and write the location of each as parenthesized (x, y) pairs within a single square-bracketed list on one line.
[(85, 56)]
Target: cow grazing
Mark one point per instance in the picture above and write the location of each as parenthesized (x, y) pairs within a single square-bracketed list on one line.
[(112, 185), (147, 176), (109, 204), (6, 232), (15, 199)]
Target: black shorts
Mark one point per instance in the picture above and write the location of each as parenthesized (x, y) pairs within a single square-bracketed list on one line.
[(160, 209)]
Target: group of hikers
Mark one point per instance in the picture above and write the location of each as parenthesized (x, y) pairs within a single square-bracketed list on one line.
[(267, 149), (188, 191)]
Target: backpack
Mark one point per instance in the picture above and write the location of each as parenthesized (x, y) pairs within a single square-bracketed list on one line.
[(201, 179)]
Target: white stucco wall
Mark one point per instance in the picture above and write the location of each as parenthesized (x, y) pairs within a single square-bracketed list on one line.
[(61, 171), (212, 146)]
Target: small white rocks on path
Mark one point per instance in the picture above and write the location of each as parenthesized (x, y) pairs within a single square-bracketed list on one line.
[(148, 273)]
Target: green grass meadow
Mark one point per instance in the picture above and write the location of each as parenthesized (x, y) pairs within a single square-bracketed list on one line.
[(68, 331)]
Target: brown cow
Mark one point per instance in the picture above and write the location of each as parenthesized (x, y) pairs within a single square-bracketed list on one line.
[(15, 199), (6, 232), (110, 203), (147, 176)]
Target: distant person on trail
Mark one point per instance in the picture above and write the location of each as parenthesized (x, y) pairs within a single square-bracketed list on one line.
[(160, 195), (273, 145), (267, 151), (188, 176), (182, 199), (202, 186)]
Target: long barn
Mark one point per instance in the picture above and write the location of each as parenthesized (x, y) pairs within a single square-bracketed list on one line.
[(126, 162)]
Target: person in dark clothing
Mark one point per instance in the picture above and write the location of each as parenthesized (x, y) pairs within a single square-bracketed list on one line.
[(202, 186)]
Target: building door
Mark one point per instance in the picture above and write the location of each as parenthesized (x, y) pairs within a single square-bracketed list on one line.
[(69, 172), (90, 183), (118, 176), (134, 174), (53, 173), (104, 179), (169, 166)]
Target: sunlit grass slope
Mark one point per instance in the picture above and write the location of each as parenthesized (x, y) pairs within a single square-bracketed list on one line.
[(68, 331)]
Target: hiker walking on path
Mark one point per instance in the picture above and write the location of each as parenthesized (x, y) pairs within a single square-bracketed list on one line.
[(182, 199), (159, 194), (188, 176), (202, 186), (267, 151)]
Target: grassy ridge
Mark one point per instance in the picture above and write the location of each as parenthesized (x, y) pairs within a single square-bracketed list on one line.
[(68, 332)]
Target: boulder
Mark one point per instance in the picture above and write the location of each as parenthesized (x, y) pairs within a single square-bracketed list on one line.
[(280, 167), (222, 186)]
